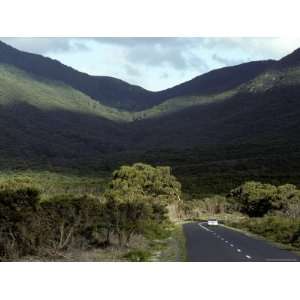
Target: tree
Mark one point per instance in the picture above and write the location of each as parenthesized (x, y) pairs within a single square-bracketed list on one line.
[(257, 199), (253, 198), (136, 196), (144, 182)]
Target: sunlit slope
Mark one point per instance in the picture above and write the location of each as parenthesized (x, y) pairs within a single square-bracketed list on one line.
[(116, 93), (17, 86), (44, 121), (265, 82)]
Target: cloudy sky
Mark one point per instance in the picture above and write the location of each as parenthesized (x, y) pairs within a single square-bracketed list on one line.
[(155, 63)]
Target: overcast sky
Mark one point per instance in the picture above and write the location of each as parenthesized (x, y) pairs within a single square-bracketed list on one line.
[(155, 63)]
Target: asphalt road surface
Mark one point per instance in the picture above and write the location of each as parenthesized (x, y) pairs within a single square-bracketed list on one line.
[(219, 244)]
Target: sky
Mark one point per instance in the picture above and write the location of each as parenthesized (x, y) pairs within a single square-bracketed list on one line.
[(155, 63)]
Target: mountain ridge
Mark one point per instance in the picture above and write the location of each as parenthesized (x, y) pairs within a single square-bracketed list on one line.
[(49, 122), (122, 95)]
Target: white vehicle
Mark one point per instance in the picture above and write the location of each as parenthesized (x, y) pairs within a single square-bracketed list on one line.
[(212, 222)]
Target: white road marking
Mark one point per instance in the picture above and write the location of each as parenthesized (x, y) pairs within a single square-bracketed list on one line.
[(203, 227), (231, 245)]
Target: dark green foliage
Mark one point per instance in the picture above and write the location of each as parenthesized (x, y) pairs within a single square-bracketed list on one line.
[(47, 116), (135, 204), (277, 209), (257, 199), (70, 221), (133, 219), (158, 230), (31, 227), (253, 198), (19, 228)]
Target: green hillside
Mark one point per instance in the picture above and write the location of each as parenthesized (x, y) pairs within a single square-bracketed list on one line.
[(262, 83), (248, 128), (180, 103), (17, 86)]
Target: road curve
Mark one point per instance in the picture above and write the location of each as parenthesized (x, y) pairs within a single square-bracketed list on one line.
[(219, 244)]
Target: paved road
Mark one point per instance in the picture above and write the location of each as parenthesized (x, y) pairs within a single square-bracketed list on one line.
[(217, 243)]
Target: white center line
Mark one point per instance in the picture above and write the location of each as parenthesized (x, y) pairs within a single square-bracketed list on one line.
[(248, 256), (239, 250), (203, 227), (226, 241), (231, 245)]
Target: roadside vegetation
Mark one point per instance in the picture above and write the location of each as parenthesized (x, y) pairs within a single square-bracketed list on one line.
[(267, 210), (133, 214), (140, 202), (271, 211)]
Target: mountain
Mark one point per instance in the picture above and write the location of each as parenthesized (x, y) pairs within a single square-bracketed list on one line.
[(291, 60), (249, 110), (43, 120), (218, 81), (260, 110), (119, 94), (18, 86), (107, 90)]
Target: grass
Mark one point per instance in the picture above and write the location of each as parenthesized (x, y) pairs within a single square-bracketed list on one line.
[(172, 249), (55, 183), (137, 256)]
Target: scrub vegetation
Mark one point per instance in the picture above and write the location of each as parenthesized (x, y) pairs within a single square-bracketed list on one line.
[(140, 200)]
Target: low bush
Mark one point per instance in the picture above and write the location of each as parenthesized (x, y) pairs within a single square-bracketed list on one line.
[(70, 221), (20, 233), (136, 203), (278, 229)]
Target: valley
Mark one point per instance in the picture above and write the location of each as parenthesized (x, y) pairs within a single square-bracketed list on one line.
[(65, 134)]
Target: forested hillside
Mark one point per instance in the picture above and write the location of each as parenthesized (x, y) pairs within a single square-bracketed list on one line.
[(244, 120)]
